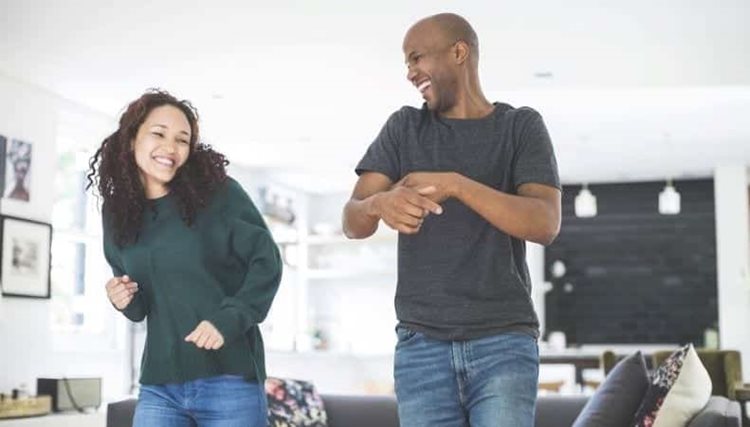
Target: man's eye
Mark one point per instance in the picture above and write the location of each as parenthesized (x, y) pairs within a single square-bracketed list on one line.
[(159, 134)]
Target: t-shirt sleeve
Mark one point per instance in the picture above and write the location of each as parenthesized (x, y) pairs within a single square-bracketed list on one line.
[(137, 310), (251, 242), (534, 160), (382, 155)]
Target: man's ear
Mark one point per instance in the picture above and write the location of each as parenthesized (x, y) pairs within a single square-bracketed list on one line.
[(461, 52)]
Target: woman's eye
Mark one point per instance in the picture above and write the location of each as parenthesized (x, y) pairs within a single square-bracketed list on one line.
[(159, 134)]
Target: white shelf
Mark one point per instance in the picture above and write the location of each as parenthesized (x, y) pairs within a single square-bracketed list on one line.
[(320, 240), (65, 419), (338, 273)]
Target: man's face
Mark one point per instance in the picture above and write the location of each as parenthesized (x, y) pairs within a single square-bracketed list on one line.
[(431, 69)]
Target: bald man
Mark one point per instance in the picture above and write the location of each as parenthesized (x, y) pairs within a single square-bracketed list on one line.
[(466, 183)]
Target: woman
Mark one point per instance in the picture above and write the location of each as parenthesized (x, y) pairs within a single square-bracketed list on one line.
[(190, 252)]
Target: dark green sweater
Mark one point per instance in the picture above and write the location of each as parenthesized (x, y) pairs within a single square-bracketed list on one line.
[(225, 269)]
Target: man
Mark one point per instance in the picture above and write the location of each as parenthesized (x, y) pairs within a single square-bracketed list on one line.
[(465, 182)]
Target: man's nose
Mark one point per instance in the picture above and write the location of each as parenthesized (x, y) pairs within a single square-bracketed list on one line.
[(410, 73)]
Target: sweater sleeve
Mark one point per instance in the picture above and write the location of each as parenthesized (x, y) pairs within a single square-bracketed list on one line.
[(251, 243), (138, 308)]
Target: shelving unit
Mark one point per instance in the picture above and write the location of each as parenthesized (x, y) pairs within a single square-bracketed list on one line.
[(316, 263), (334, 289)]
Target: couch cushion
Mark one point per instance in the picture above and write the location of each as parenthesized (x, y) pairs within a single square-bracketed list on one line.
[(361, 411), (615, 401), (294, 403), (679, 389), (718, 412)]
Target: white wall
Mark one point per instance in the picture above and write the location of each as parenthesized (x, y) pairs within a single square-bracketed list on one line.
[(733, 259), (28, 346)]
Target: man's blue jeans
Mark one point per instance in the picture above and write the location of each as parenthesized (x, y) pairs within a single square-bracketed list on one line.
[(484, 382), (221, 401)]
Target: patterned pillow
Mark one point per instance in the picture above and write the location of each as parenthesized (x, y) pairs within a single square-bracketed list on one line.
[(294, 403), (679, 389)]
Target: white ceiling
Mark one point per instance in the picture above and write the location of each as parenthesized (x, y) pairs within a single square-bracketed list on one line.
[(630, 90)]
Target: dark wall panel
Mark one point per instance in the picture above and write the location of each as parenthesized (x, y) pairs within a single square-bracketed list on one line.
[(632, 274)]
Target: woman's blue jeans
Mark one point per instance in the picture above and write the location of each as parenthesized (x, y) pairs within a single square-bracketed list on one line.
[(221, 401)]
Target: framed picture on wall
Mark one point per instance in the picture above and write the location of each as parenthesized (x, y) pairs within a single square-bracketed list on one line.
[(3, 141), (25, 257), (17, 170)]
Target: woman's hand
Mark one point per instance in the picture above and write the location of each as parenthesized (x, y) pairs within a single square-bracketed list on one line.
[(120, 291), (206, 336)]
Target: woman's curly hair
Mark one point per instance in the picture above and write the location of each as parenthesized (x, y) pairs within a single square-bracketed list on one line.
[(114, 173)]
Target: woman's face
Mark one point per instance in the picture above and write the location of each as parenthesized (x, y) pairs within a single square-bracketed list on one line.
[(161, 147)]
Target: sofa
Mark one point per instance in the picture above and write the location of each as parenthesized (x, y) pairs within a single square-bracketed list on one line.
[(380, 411)]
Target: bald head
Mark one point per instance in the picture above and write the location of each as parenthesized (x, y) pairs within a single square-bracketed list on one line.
[(450, 28)]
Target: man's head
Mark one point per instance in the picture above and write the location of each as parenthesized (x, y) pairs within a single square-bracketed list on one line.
[(441, 51)]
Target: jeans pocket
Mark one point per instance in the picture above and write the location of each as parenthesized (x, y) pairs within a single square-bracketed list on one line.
[(404, 334)]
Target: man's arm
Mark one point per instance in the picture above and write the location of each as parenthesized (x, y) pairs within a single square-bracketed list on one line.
[(373, 199), (533, 214)]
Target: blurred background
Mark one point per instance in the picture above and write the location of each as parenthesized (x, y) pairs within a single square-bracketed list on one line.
[(647, 104)]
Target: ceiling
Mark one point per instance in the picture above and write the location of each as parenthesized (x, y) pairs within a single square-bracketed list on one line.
[(630, 90)]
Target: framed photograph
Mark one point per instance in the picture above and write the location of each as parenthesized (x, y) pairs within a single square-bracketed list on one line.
[(25, 257), (3, 141), (17, 170)]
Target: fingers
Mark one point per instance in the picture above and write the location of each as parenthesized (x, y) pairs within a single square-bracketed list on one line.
[(206, 336), (120, 291), (423, 202), (121, 299), (425, 191), (405, 224), (412, 210), (415, 202), (421, 197)]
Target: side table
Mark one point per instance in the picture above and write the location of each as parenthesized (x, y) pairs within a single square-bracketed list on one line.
[(742, 393)]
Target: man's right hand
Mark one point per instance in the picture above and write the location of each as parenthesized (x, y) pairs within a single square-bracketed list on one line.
[(404, 209), (120, 291)]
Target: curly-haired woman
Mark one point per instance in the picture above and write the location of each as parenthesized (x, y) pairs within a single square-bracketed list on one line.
[(191, 253)]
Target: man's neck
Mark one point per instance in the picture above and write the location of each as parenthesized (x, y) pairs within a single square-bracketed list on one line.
[(472, 111), (470, 103)]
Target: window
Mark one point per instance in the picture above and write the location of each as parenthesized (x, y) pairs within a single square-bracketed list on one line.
[(77, 274), (81, 319)]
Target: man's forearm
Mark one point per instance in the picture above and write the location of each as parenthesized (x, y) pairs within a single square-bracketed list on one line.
[(523, 217), (360, 219)]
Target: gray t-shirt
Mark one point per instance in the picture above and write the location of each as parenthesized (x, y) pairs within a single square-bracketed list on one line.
[(460, 277)]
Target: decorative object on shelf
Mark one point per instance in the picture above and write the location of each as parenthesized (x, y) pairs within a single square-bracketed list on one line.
[(277, 206), (68, 394), (25, 406), (585, 204), (669, 200), (18, 170), (25, 257)]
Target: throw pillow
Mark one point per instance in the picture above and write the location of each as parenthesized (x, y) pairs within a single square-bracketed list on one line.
[(679, 389), (294, 403), (615, 401)]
